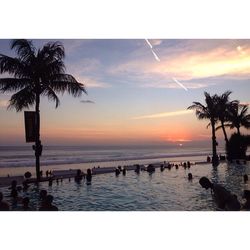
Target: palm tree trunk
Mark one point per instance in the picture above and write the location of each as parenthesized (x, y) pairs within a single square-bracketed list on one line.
[(238, 130), (224, 132), (38, 142), (214, 144)]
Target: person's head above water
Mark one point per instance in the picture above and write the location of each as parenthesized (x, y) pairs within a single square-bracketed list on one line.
[(13, 184), (246, 194), (43, 194), (49, 199), (205, 182)]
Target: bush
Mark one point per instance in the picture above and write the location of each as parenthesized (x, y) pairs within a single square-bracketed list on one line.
[(237, 146)]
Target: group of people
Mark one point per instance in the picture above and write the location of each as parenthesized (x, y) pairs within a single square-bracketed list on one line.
[(224, 199), (16, 200), (80, 175), (46, 202)]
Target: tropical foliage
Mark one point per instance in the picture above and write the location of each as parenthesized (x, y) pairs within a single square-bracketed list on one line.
[(237, 146), (35, 73), (218, 109), (209, 112)]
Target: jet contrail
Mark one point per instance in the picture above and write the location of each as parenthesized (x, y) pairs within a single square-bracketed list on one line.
[(149, 44), (156, 57), (151, 47), (180, 84), (160, 115)]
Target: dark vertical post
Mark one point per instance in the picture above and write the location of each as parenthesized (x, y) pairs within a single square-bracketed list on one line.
[(215, 160), (38, 145)]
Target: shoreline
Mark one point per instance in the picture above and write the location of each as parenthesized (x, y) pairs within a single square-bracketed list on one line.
[(82, 161)]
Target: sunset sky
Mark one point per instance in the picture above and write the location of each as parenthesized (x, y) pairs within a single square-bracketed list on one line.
[(136, 95)]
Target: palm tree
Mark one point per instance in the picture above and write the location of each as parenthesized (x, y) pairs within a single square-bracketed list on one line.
[(36, 73), (223, 107), (238, 117), (208, 112)]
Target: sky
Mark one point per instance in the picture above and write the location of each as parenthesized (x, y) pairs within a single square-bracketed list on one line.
[(138, 91)]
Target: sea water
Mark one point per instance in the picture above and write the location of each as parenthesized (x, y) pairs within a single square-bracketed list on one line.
[(18, 160)]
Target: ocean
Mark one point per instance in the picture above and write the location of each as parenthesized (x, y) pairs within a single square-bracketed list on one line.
[(15, 160)]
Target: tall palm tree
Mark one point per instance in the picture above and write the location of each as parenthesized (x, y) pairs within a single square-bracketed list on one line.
[(223, 107), (238, 117), (209, 112), (36, 73)]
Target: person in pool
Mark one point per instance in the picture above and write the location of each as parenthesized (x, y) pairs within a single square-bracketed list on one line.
[(26, 206), (246, 195), (4, 206), (48, 206), (89, 176), (223, 198)]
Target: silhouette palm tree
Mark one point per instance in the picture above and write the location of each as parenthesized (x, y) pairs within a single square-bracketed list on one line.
[(36, 73), (208, 112), (238, 117), (223, 107)]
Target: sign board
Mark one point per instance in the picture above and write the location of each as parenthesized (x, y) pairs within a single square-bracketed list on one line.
[(30, 125)]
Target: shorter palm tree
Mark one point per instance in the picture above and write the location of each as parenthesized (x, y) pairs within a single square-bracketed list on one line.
[(238, 117), (208, 112), (223, 107)]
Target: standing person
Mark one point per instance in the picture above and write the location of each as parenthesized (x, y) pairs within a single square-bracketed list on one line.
[(89, 176), (4, 206), (223, 198), (124, 171)]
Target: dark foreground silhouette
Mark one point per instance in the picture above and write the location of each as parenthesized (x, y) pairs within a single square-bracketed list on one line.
[(223, 198)]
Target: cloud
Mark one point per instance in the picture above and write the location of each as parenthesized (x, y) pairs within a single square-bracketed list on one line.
[(245, 103), (87, 101), (172, 85), (3, 103), (188, 61), (160, 115), (84, 66), (92, 83), (156, 42)]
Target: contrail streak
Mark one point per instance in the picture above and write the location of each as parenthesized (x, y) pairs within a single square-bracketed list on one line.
[(152, 50), (160, 115), (180, 84), (149, 44), (156, 57)]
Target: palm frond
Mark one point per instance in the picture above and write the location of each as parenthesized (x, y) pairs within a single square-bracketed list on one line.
[(52, 51), (22, 99), (24, 49), (10, 65), (64, 82), (51, 95), (13, 84)]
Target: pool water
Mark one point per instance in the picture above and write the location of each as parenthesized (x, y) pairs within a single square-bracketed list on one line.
[(169, 190)]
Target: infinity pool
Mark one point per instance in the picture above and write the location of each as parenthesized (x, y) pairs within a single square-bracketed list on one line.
[(169, 190)]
